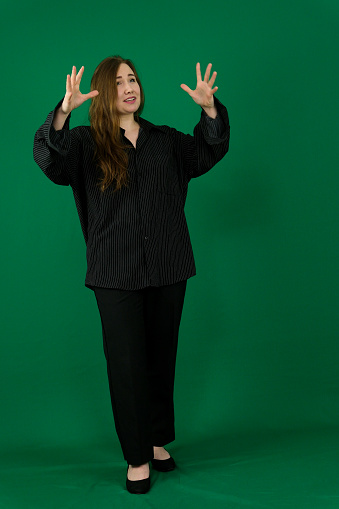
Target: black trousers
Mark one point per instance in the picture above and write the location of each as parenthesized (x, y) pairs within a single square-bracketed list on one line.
[(140, 332)]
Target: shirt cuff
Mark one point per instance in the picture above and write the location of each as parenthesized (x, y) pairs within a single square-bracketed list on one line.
[(215, 126)]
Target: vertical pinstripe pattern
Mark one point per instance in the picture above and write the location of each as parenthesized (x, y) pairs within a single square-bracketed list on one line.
[(138, 236)]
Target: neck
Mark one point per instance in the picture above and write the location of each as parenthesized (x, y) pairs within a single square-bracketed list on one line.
[(128, 123)]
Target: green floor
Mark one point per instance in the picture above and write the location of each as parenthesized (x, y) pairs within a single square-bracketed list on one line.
[(281, 470)]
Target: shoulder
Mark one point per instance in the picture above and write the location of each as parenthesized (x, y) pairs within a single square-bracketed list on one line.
[(148, 126), (159, 132)]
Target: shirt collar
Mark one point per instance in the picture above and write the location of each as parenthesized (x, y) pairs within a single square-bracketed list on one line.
[(147, 126)]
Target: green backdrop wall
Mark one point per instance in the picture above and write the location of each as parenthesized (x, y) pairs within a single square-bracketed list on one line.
[(259, 339)]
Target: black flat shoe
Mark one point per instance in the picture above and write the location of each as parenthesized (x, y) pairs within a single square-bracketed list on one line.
[(138, 487), (163, 465)]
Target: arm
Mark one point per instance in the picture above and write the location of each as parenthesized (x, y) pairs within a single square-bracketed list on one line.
[(197, 154), (56, 152), (56, 148), (215, 126), (210, 142), (59, 119)]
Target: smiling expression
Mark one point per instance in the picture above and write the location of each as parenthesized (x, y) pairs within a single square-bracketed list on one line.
[(128, 91)]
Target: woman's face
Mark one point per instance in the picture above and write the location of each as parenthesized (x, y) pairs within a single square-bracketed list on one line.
[(128, 91)]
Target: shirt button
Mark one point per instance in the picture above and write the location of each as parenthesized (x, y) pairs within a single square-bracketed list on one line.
[(146, 238)]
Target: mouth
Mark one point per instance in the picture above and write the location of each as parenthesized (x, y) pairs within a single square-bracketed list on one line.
[(130, 100)]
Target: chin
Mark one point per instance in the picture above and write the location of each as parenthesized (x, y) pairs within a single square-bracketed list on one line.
[(131, 109)]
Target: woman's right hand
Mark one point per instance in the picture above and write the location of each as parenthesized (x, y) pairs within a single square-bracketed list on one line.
[(74, 98)]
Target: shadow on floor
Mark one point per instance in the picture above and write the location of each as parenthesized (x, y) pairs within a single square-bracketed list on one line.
[(295, 470)]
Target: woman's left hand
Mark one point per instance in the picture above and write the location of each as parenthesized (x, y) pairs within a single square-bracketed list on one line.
[(203, 94)]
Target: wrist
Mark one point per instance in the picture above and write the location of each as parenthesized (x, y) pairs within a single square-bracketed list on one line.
[(59, 119), (211, 111), (60, 111)]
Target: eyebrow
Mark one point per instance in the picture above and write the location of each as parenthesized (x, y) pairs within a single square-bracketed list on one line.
[(119, 77)]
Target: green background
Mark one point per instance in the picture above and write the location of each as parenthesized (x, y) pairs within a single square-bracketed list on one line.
[(258, 350)]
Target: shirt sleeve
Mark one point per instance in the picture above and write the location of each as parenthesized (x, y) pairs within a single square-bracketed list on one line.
[(57, 152), (197, 154), (214, 125)]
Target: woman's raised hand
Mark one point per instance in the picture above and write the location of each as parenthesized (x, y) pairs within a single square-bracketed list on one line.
[(203, 94), (73, 97)]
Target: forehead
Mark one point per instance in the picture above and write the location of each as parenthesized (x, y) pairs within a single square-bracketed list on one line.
[(124, 70)]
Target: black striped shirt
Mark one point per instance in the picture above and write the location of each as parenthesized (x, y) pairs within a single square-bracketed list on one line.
[(137, 236)]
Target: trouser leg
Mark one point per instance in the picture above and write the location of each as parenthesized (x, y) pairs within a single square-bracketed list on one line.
[(140, 330), (122, 316), (163, 309)]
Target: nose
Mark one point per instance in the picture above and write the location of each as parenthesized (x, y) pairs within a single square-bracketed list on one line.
[(128, 88)]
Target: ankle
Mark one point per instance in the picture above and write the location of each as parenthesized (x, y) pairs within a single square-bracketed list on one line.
[(138, 472), (160, 453), (140, 467)]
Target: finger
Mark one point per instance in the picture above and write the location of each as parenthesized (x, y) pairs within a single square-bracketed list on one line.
[(66, 104), (68, 96), (79, 75), (186, 88), (214, 90), (212, 80), (68, 84), (198, 72), (207, 73), (90, 95), (73, 76)]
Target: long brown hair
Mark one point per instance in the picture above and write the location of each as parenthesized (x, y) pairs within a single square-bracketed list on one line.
[(110, 152)]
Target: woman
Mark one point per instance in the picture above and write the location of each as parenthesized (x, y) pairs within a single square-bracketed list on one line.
[(129, 179)]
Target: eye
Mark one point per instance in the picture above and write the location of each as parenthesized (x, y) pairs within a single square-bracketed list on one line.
[(118, 82), (132, 79)]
